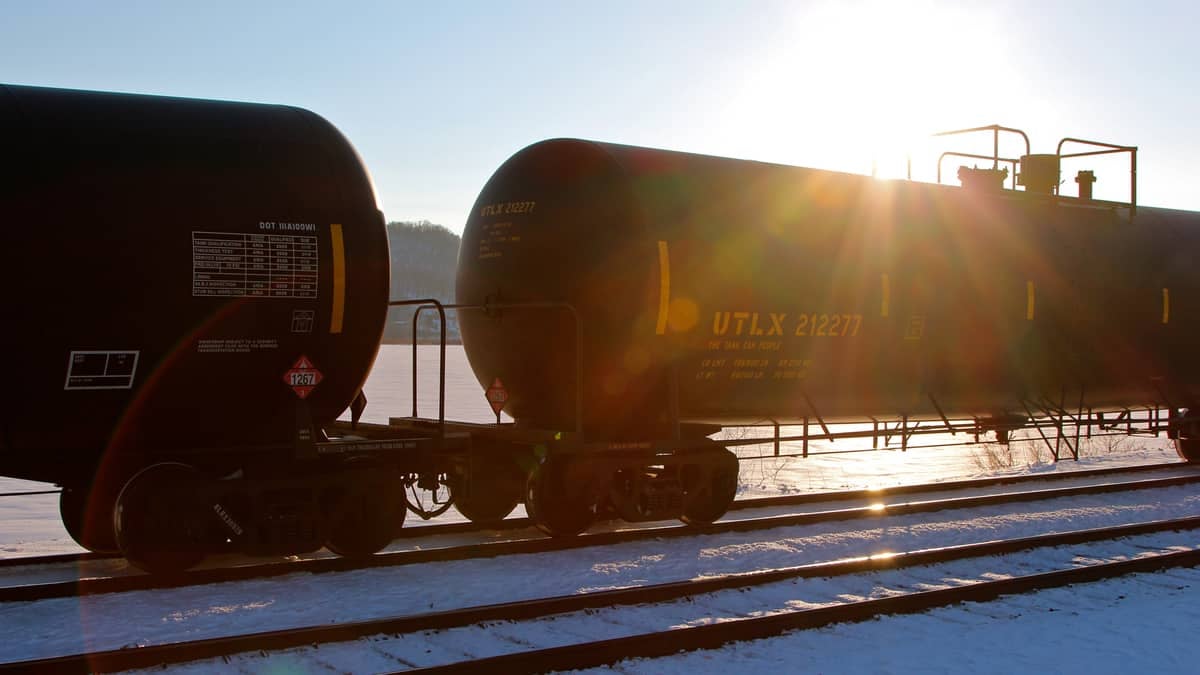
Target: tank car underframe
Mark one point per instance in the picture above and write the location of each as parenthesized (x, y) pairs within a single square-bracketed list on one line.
[(1163, 415), (635, 480), (169, 515), (1068, 429), (647, 479), (345, 493), (643, 479)]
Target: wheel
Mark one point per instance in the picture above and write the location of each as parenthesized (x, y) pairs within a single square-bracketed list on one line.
[(90, 527), (709, 489), (1188, 449), (557, 498), (157, 519), (1187, 442), (489, 489), (367, 515)]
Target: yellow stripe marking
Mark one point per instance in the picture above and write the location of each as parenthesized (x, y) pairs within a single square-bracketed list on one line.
[(1030, 300), (337, 313), (664, 288), (1166, 305), (885, 303)]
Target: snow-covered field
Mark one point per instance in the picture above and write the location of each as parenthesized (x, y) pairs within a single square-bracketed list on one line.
[(1130, 624)]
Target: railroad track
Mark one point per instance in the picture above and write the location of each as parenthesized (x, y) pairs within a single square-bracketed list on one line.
[(586, 653), (713, 636), (537, 545), (740, 504)]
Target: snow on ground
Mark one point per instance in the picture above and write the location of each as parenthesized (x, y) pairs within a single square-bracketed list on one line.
[(30, 525), (1142, 623)]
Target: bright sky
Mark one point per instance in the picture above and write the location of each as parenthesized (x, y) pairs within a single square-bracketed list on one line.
[(435, 95)]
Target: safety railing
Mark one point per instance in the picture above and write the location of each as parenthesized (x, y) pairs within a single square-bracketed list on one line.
[(422, 305), (1109, 149)]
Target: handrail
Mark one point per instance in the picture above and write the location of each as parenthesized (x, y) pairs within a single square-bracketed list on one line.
[(995, 129), (1112, 149), (488, 307), (422, 304)]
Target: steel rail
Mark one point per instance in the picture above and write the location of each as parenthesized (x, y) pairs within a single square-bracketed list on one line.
[(125, 584), (715, 636), (157, 655)]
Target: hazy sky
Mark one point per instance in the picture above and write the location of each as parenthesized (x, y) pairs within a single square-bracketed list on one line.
[(436, 95)]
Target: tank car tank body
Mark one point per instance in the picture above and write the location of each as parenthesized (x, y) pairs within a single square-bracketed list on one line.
[(723, 291), (177, 273)]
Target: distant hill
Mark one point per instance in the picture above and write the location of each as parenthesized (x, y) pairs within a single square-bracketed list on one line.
[(424, 256)]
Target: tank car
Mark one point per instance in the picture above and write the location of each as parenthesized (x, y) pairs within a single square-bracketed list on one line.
[(630, 292), (192, 290)]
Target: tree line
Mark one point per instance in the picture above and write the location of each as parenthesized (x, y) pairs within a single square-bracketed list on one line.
[(424, 257)]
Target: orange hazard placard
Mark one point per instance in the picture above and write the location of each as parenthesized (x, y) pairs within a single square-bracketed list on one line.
[(497, 395), (302, 377)]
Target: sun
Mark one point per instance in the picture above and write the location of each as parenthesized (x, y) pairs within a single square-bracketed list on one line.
[(849, 85)]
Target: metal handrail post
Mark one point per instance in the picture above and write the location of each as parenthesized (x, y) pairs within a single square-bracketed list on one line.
[(1111, 148), (422, 304)]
